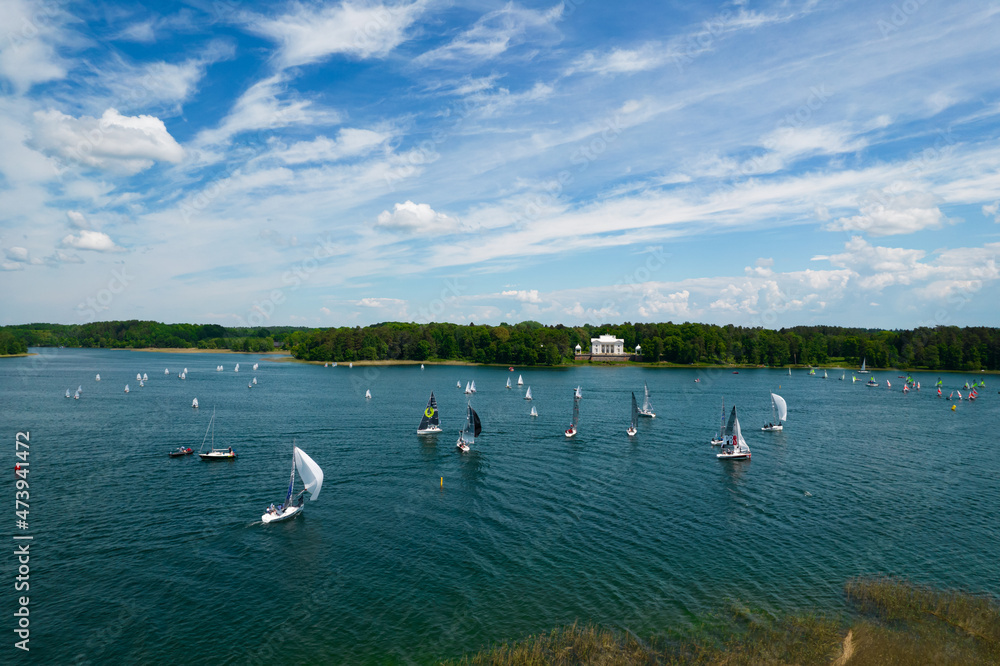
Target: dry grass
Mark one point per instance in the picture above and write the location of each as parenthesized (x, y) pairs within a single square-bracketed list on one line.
[(899, 623)]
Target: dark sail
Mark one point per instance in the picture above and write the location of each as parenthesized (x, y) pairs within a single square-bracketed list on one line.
[(477, 425), (730, 424), (430, 415), (635, 411), (576, 410)]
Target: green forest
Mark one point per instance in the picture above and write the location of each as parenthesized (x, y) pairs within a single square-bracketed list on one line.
[(531, 343)]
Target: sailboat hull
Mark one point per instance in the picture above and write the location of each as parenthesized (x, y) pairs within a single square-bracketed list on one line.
[(718, 442), (733, 456), (287, 514), (650, 415), (433, 430), (773, 428), (631, 432), (571, 431), (217, 455)]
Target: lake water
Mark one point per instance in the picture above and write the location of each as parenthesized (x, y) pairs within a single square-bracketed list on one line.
[(141, 558)]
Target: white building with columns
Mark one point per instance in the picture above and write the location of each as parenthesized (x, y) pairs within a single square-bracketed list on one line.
[(607, 345)]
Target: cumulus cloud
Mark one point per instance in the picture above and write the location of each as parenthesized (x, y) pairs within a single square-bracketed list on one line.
[(11, 266), (415, 218), (525, 296), (310, 34), (763, 268), (114, 142), (886, 214), (17, 254), (655, 302), (28, 48), (96, 241), (77, 219)]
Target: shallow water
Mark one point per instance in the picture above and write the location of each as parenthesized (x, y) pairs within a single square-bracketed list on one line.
[(138, 557)]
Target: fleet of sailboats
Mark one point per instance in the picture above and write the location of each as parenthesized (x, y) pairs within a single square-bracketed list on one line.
[(312, 481), (429, 422)]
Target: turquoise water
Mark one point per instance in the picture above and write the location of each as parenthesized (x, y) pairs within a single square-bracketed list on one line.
[(138, 557)]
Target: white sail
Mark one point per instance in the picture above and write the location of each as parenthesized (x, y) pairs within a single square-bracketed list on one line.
[(824, 374), (520, 382), (254, 367), (534, 412), (67, 393), (578, 394), (145, 377), (126, 388), (98, 376), (473, 388), (79, 389), (780, 407), (310, 473), (368, 394), (508, 382), (166, 371), (76, 395), (194, 403), (468, 388), (185, 371), (254, 381), (458, 384), (527, 394), (138, 377), (647, 405)]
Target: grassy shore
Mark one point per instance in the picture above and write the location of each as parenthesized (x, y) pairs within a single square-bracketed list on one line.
[(892, 621)]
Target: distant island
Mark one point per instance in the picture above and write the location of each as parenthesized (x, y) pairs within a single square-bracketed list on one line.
[(530, 343)]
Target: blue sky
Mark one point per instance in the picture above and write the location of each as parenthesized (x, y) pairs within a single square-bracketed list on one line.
[(326, 164)]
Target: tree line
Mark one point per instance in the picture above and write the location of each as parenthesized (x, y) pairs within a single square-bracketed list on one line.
[(531, 343)]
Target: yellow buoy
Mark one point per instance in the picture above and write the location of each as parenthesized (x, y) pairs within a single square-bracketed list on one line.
[(953, 408), (442, 478)]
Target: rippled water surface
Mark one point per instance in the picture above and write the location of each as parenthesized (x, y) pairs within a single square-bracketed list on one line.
[(138, 557)]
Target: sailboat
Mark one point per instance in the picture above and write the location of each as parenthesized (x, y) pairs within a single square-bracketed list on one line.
[(254, 367), (185, 372), (647, 406), (508, 382), (166, 371), (76, 396), (214, 453), (126, 388), (939, 391), (468, 388), (470, 431), (571, 430), (145, 377), (98, 378), (735, 447), (888, 384), (249, 385), (527, 394), (429, 423), (721, 437), (67, 393), (779, 412), (237, 368), (141, 383), (633, 426), (473, 387), (842, 376), (458, 384), (312, 479), (254, 381), (350, 365), (862, 371), (421, 366), (578, 394), (368, 394), (194, 403), (812, 371), (871, 382), (138, 377), (183, 375), (534, 412), (789, 372), (853, 378), (824, 375), (520, 382)]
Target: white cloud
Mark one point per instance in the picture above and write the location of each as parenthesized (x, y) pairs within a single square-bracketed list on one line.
[(415, 218), (524, 295), (380, 302), (655, 303), (78, 219), (310, 34), (993, 210), (11, 266), (621, 61), (17, 254), (887, 214), (495, 33), (127, 144), (28, 46), (96, 241), (259, 107), (349, 143)]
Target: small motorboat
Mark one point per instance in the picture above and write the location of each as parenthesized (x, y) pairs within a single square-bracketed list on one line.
[(181, 451)]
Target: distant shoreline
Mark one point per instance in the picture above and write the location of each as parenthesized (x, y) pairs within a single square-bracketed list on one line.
[(182, 350)]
